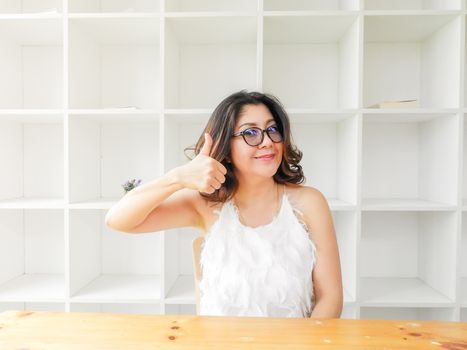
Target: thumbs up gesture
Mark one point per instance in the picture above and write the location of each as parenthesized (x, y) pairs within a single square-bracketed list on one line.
[(206, 149), (203, 173)]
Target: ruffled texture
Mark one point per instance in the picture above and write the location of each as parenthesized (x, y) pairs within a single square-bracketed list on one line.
[(264, 271)]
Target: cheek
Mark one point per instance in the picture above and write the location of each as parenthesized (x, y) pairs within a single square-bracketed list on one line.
[(238, 154), (280, 153), (240, 157), (280, 150)]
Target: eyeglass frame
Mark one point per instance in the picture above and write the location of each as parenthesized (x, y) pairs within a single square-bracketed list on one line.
[(242, 133)]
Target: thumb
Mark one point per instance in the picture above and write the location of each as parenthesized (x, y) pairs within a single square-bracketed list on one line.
[(206, 150)]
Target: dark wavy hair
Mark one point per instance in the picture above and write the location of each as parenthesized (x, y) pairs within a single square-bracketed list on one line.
[(221, 125)]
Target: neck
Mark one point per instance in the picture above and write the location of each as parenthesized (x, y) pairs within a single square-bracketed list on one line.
[(256, 190)]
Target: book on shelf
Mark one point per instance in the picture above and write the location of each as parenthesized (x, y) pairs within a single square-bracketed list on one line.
[(396, 104)]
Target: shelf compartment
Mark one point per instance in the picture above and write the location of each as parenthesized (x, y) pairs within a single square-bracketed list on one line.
[(463, 314), (42, 287), (179, 272), (211, 6), (345, 224), (125, 6), (414, 115), (32, 203), (407, 259), (349, 312), (313, 5), (393, 291), (183, 289), (182, 131), (60, 307), (116, 114), (410, 165), (31, 255), (338, 205), (114, 63), (104, 154), (121, 287), (405, 314), (97, 203), (329, 156), (208, 58), (31, 148), (370, 204), (312, 61), (438, 5), (304, 118), (119, 267), (412, 57), (30, 6), (116, 308), (31, 67), (182, 309)]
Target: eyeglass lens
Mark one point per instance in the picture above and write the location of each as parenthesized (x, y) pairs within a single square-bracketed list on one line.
[(254, 136)]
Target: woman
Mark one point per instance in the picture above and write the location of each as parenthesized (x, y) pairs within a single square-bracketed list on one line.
[(270, 246)]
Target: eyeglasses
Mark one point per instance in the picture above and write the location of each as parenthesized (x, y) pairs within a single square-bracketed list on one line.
[(254, 136)]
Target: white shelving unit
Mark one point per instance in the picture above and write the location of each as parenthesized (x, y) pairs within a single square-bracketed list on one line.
[(12, 7), (208, 51), (106, 6), (32, 254), (114, 63), (299, 48), (94, 93), (105, 148), (32, 63), (404, 55)]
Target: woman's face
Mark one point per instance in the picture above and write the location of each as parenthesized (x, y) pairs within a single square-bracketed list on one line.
[(250, 160)]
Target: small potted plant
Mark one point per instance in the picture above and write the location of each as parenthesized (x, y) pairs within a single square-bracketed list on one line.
[(130, 184)]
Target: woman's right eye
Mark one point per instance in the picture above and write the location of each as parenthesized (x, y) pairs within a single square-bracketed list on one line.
[(250, 132)]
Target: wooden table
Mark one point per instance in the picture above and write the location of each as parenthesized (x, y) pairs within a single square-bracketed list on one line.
[(61, 330)]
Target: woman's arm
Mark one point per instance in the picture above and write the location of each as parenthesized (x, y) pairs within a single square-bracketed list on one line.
[(168, 202), (327, 279), (147, 208)]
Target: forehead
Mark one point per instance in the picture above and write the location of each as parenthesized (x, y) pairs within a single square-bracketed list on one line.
[(255, 114)]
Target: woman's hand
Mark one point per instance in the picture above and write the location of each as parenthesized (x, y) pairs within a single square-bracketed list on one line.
[(203, 173)]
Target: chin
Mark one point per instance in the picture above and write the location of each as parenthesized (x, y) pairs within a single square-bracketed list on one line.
[(267, 172), (264, 173)]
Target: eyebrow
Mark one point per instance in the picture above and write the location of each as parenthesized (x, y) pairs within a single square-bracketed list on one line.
[(267, 122)]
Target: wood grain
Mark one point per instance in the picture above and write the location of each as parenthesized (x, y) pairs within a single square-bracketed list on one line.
[(61, 330)]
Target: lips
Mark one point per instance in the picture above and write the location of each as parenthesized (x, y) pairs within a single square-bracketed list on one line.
[(266, 156)]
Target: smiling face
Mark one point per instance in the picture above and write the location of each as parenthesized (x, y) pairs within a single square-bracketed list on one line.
[(261, 160)]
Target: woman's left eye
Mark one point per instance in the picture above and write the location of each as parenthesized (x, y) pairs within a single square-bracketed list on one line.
[(273, 128)]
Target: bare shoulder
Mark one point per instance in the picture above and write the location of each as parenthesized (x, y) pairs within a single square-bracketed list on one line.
[(307, 197), (311, 202)]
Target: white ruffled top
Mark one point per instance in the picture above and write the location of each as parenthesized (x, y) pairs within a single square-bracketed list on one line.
[(264, 271)]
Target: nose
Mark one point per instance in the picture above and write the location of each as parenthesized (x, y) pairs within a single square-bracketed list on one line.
[(267, 142)]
